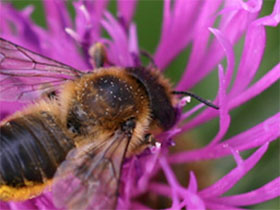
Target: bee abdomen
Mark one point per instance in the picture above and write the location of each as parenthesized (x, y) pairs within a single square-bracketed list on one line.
[(31, 148)]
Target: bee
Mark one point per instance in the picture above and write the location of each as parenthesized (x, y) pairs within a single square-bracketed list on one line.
[(76, 141)]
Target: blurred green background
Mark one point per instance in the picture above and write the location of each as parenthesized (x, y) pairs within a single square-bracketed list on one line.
[(148, 18)]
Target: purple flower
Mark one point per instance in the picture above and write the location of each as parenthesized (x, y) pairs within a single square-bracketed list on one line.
[(184, 22)]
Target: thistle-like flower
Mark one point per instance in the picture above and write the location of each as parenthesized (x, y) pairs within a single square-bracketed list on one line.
[(184, 22)]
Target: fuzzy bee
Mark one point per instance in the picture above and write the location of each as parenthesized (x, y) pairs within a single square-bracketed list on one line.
[(76, 141)]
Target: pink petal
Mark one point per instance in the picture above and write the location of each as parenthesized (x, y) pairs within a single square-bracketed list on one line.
[(7, 108), (84, 33), (177, 26), (129, 183), (201, 36), (265, 132), (228, 48), (171, 178), (265, 82), (227, 182), (191, 112), (4, 205), (24, 31), (83, 21), (273, 19), (194, 201), (150, 168), (260, 195), (251, 6), (37, 39), (250, 59), (137, 205), (88, 20), (57, 16), (218, 206), (161, 189), (233, 25), (118, 48), (193, 183), (133, 44), (96, 11), (126, 10), (26, 205), (224, 116), (44, 201)]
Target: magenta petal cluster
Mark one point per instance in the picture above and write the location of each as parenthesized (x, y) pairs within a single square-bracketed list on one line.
[(184, 22)]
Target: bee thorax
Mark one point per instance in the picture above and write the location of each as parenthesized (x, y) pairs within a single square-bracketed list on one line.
[(106, 101)]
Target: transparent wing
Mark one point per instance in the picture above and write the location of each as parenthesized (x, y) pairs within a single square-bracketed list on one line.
[(25, 75), (89, 177)]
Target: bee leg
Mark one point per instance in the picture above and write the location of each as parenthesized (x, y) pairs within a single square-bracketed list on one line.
[(98, 55), (149, 139)]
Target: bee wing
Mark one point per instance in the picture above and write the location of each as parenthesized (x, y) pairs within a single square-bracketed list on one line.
[(89, 177), (25, 75)]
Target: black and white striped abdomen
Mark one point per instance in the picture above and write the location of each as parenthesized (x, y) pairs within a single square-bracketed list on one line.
[(31, 148)]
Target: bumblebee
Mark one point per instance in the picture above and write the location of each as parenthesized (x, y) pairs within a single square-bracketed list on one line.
[(77, 141)]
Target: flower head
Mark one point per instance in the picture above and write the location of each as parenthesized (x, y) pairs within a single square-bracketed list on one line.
[(212, 28)]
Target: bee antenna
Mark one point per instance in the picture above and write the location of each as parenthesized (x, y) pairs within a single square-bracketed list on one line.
[(202, 100)]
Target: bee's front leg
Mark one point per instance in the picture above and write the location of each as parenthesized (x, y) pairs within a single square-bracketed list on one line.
[(149, 139)]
